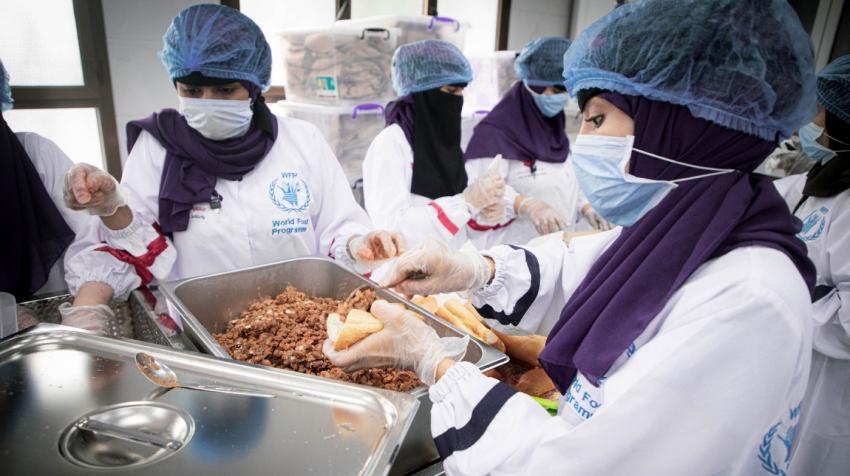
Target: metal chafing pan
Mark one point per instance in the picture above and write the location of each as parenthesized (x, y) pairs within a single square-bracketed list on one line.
[(74, 403), (206, 304)]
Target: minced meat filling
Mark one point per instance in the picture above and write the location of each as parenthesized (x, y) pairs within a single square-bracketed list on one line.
[(287, 332)]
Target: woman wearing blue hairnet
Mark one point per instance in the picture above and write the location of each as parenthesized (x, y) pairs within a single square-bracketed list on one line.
[(42, 234), (222, 183), (683, 343), (821, 199), (527, 127), (414, 179)]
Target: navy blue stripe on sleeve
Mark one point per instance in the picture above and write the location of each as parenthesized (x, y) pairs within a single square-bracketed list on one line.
[(455, 439), (525, 301)]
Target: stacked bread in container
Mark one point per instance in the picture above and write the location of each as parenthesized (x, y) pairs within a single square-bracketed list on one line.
[(340, 78)]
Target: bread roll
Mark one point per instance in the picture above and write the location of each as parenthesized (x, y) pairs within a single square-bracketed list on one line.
[(475, 325), (358, 324), (526, 349), (535, 382), (429, 303)]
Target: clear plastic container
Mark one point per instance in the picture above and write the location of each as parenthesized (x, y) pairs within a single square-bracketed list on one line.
[(492, 75), (339, 65), (348, 129), (8, 315), (416, 28)]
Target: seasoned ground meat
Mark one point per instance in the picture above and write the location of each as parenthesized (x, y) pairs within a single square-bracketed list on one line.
[(287, 332)]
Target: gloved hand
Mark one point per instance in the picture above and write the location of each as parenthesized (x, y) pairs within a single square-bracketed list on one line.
[(92, 189), (433, 268), (487, 190), (405, 342), (376, 246), (545, 219), (593, 218), (98, 319), (493, 213)]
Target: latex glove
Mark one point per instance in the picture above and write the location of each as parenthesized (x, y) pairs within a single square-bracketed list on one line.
[(487, 190), (98, 319), (593, 218), (545, 219), (495, 213), (405, 342), (92, 189), (434, 268), (375, 247)]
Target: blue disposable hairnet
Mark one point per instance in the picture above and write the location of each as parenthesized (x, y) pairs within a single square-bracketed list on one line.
[(218, 42), (428, 64), (541, 62), (5, 89), (834, 88), (746, 65)]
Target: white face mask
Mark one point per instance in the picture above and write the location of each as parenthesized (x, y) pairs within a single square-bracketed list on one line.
[(217, 119)]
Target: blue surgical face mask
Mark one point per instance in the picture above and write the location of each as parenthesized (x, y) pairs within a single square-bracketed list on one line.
[(808, 139), (217, 119), (621, 198), (549, 105)]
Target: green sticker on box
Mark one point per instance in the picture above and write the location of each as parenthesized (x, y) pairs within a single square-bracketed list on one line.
[(326, 86)]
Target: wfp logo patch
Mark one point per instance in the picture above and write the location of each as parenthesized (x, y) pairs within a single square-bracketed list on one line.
[(814, 225), (289, 193)]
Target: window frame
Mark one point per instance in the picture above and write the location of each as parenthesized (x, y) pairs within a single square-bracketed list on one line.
[(96, 91)]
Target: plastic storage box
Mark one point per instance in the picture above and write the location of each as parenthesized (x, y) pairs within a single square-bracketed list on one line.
[(339, 65), (348, 129), (415, 28)]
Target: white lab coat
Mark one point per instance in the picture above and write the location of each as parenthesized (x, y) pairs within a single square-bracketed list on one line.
[(295, 202), (555, 184), (81, 262), (825, 429), (387, 177), (712, 386)]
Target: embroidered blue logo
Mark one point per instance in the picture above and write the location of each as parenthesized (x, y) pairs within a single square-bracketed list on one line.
[(289, 193), (814, 224), (767, 452)]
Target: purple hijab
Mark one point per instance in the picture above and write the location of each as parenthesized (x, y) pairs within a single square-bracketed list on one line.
[(400, 112), (518, 130), (698, 221), (193, 162)]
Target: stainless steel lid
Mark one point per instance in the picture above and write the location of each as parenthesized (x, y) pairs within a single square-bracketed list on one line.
[(74, 403)]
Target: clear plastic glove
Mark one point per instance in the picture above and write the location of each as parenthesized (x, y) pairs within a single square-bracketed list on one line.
[(487, 190), (92, 189), (594, 220), (99, 319), (405, 342), (434, 268), (545, 219), (376, 247), (495, 213)]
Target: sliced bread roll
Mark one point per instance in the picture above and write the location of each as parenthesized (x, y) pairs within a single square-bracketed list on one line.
[(535, 382), (472, 323), (356, 327), (526, 348), (429, 303)]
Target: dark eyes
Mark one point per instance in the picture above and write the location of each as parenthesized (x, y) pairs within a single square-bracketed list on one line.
[(226, 90), (597, 120)]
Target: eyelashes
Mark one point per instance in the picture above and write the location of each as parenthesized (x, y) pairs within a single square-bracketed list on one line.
[(596, 120)]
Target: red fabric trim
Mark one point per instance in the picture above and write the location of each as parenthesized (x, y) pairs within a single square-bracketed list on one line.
[(141, 263), (368, 275), (444, 219), (162, 317), (479, 227)]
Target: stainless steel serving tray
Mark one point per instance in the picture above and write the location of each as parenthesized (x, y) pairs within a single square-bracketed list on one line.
[(74, 403), (206, 304)]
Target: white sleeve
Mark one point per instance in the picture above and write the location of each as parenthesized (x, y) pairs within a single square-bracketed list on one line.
[(388, 198), (82, 262), (338, 216), (791, 189), (141, 238), (534, 280), (686, 380), (838, 276)]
